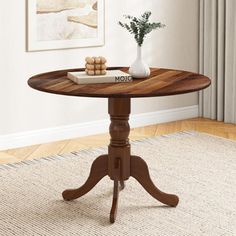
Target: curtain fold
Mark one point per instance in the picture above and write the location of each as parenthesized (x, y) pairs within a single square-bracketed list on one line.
[(218, 59)]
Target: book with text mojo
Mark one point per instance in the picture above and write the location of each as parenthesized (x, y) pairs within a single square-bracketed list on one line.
[(112, 76)]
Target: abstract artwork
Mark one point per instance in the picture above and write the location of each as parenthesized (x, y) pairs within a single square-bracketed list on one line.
[(60, 24)]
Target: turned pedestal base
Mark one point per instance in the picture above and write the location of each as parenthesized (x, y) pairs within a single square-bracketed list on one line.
[(119, 164)]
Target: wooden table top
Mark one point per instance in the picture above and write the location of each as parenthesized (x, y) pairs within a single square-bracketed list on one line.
[(162, 82)]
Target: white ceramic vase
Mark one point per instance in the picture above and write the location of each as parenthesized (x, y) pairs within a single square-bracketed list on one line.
[(139, 69)]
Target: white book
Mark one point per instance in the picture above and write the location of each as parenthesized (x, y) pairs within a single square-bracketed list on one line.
[(112, 76)]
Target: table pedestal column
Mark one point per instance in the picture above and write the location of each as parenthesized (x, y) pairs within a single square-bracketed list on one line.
[(119, 148), (119, 164)]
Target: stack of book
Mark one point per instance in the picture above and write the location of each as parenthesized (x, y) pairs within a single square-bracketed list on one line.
[(112, 76)]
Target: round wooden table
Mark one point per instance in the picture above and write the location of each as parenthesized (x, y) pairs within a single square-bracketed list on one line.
[(119, 164)]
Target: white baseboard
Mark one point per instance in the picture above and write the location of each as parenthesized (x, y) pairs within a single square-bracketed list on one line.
[(91, 128)]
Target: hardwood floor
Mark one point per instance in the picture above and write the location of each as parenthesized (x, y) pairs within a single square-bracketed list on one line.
[(37, 151)]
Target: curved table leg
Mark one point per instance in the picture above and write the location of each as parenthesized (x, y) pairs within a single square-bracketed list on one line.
[(139, 171), (97, 172), (122, 184), (114, 207)]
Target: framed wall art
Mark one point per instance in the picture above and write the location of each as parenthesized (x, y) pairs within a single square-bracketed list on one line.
[(62, 24)]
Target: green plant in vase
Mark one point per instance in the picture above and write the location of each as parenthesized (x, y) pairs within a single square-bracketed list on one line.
[(140, 28)]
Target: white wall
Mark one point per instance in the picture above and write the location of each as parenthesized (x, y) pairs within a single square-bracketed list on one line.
[(23, 109)]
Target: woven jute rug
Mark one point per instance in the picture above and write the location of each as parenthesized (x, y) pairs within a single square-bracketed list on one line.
[(200, 169)]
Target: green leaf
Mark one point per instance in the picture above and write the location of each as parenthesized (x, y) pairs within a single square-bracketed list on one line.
[(140, 27)]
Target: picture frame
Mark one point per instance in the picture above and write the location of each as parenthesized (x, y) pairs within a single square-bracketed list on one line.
[(51, 28)]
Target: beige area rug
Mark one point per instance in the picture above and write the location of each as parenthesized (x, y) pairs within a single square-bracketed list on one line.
[(200, 169)]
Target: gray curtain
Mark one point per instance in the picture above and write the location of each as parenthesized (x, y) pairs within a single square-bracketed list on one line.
[(218, 59)]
